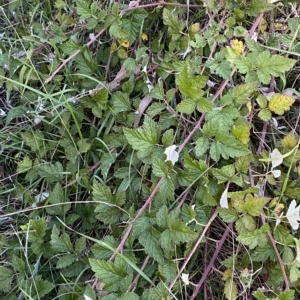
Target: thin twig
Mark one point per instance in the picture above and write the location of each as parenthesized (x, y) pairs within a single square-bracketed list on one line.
[(209, 267), (186, 261)]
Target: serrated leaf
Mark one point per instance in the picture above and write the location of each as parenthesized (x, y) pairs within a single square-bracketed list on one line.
[(186, 106), (171, 20), (257, 6), (110, 273), (253, 205), (240, 94), (274, 65), (259, 295), (34, 140), (24, 165), (204, 105), (224, 174), (167, 189), (179, 233), (60, 243), (83, 9), (159, 168), (227, 147), (230, 289), (144, 139), (107, 160), (253, 239), (6, 277), (287, 295), (41, 287), (263, 253), (168, 138), (265, 115), (65, 260), (149, 239), (51, 172), (294, 273), (56, 197), (120, 102), (228, 215), (202, 145), (280, 103), (241, 133)]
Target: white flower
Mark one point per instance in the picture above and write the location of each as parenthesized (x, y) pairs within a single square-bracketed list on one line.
[(224, 199), (172, 155), (185, 278), (293, 215), (276, 158)]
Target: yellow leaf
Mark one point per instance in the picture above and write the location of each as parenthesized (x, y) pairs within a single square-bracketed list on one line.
[(242, 133), (144, 37), (289, 141), (237, 46), (230, 289), (227, 274), (124, 43), (280, 103), (195, 28), (263, 25)]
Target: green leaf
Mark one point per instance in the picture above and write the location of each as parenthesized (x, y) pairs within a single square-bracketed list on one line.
[(253, 239), (252, 205), (204, 105), (179, 233), (65, 260), (24, 165), (259, 295), (18, 264), (230, 289), (158, 91), (120, 102), (167, 189), (224, 174), (149, 239), (274, 65), (15, 112), (159, 168), (186, 106), (265, 115), (129, 296), (83, 9), (287, 295), (169, 271), (202, 145), (171, 20), (56, 197), (144, 139), (294, 273), (83, 146), (263, 253), (258, 6), (6, 277), (227, 147), (228, 215), (168, 138), (240, 94), (39, 288), (34, 140), (60, 243), (112, 274), (51, 172)]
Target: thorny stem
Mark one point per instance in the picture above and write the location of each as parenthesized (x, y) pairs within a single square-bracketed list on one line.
[(186, 261), (210, 265)]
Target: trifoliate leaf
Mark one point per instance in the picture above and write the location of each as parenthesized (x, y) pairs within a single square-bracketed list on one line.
[(280, 103)]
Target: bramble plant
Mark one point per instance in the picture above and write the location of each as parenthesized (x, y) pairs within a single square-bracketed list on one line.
[(149, 150)]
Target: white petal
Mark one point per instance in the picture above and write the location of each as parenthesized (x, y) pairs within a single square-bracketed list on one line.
[(185, 278), (87, 297), (276, 173), (224, 199), (276, 157), (293, 215), (172, 155)]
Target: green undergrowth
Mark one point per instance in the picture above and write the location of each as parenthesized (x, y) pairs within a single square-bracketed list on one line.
[(149, 150)]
